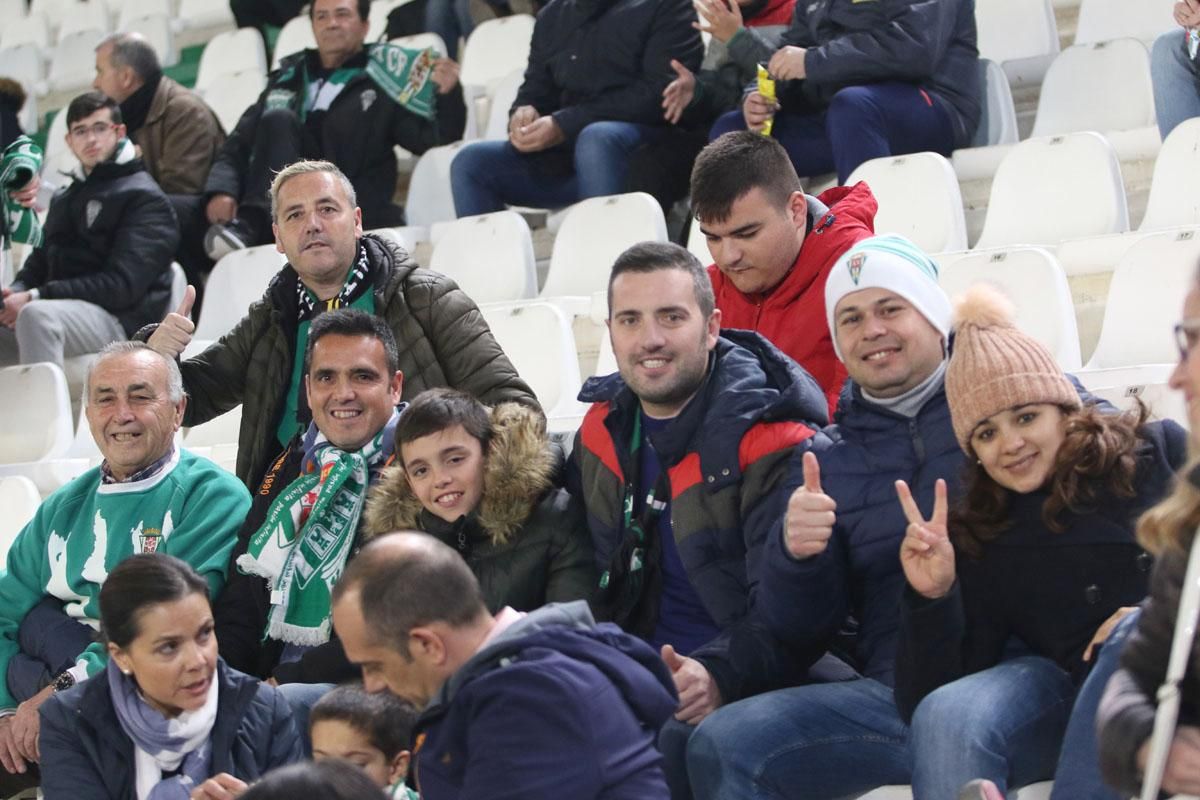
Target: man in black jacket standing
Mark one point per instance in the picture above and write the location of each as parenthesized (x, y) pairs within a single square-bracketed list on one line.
[(863, 79), (103, 269), (342, 102)]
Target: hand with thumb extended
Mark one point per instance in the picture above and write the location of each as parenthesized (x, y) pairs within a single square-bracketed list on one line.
[(174, 333), (926, 553), (810, 514), (673, 660), (699, 695)]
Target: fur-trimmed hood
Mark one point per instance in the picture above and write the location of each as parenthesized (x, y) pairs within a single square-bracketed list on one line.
[(520, 469)]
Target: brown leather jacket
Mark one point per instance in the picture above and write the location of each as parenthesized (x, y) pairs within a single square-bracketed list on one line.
[(180, 139)]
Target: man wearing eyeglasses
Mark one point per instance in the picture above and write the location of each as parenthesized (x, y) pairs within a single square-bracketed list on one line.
[(103, 268)]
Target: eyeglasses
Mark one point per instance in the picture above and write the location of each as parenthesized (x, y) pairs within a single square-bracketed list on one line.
[(1186, 335), (97, 129)]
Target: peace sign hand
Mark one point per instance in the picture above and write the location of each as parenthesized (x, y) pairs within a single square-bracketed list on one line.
[(926, 554)]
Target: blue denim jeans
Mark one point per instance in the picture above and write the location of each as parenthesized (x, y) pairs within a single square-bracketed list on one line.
[(487, 176), (450, 19), (1005, 723), (1176, 81), (302, 697), (861, 123), (809, 742)]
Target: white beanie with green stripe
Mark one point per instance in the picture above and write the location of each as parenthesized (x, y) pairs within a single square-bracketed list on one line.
[(894, 263)]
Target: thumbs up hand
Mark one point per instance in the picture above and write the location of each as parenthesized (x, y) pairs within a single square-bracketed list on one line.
[(926, 553), (810, 514), (698, 692), (174, 333)]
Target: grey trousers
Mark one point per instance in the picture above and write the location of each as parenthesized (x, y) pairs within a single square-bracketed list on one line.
[(52, 330)]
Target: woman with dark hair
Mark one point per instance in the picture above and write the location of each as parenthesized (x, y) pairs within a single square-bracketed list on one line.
[(320, 780), (1127, 711), (1011, 596), (484, 483), (167, 719)]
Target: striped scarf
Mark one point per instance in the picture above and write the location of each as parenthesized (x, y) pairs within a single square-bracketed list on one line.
[(19, 163)]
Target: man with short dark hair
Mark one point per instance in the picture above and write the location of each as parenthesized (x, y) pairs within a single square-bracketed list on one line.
[(773, 246), (103, 268), (442, 339), (680, 463), (272, 620), (345, 102), (146, 496), (541, 706)]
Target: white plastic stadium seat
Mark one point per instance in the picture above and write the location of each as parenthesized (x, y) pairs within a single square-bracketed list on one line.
[(697, 243), (536, 336), (38, 423), (998, 125), (20, 499), (231, 52), (204, 14), (1173, 197), (294, 36), (593, 233), (1055, 188), (23, 63), (493, 51), (504, 94), (1080, 86), (429, 197), (58, 158), (156, 29), (78, 17), (31, 29), (489, 256), (12, 9), (73, 61), (918, 198), (1145, 291), (606, 359), (1124, 386), (230, 94), (1037, 286), (1100, 20), (1019, 34), (219, 430), (129, 10), (237, 280)]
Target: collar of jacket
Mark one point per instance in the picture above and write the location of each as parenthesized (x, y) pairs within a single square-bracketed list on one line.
[(748, 381), (136, 108), (521, 468)]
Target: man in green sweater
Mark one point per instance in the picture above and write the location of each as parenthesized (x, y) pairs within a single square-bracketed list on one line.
[(146, 496)]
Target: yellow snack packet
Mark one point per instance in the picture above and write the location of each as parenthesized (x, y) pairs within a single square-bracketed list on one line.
[(766, 87)]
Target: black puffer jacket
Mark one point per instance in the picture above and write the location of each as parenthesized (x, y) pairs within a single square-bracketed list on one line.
[(109, 239), (930, 43), (442, 337)]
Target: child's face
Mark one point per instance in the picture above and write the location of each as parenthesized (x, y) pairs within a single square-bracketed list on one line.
[(445, 471), (333, 738)]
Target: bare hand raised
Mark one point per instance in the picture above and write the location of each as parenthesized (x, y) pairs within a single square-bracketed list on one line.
[(926, 554), (810, 514), (174, 333), (679, 93), (722, 20)]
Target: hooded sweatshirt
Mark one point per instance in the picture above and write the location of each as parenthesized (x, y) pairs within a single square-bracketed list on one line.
[(555, 706)]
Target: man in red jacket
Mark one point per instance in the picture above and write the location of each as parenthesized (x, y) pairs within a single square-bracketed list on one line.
[(774, 246)]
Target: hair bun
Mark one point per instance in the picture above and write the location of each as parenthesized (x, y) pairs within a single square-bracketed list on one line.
[(984, 306)]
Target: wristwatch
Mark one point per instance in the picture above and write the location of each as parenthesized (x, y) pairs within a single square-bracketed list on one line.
[(63, 682)]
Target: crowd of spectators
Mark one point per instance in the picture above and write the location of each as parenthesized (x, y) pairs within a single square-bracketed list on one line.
[(820, 532)]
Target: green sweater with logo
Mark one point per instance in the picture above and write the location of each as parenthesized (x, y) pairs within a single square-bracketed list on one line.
[(191, 509)]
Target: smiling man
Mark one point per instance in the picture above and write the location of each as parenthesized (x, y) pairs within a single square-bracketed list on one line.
[(773, 246), (440, 335), (146, 496), (681, 463), (103, 269), (272, 619)]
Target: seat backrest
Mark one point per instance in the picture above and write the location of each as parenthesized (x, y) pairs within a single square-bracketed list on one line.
[(37, 420), (156, 29), (59, 158), (1142, 300), (231, 52), (536, 336), (12, 9), (1054, 188), (30, 29), (1173, 197), (1012, 29), (998, 122), (918, 198), (1082, 82), (504, 94), (22, 63), (429, 197), (83, 17), (130, 10), (235, 283), (294, 36), (205, 13), (1100, 20), (697, 244), (489, 256), (494, 49), (1035, 282), (20, 500), (221, 430), (593, 233), (231, 94), (73, 62)]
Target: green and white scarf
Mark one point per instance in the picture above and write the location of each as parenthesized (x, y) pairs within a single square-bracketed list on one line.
[(19, 163), (302, 547)]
